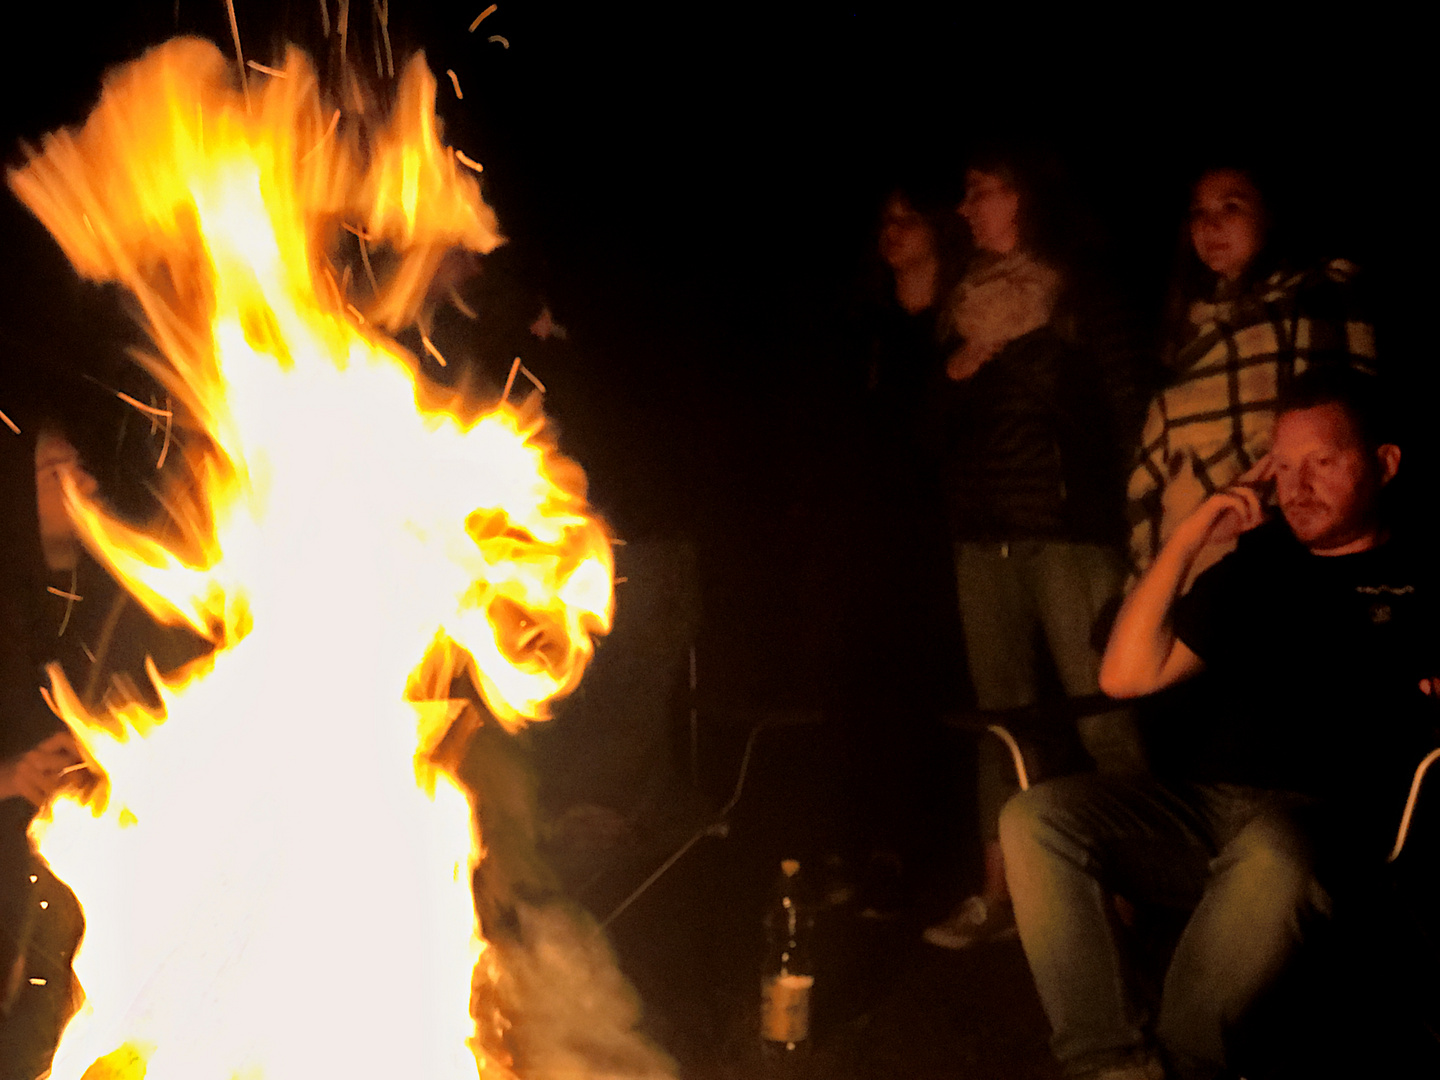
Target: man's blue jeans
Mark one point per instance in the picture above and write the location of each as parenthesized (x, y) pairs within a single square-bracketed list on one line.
[(1238, 858)]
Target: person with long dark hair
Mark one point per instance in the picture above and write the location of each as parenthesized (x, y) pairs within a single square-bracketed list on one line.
[(1242, 322)]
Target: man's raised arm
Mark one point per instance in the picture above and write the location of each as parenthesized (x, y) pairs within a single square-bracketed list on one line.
[(1144, 655)]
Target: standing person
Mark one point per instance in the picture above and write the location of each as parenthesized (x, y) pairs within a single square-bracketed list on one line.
[(1040, 396), (1241, 324), (918, 253), (1320, 631), (890, 685)]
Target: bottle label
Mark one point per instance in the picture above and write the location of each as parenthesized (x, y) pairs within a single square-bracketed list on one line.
[(785, 1008)]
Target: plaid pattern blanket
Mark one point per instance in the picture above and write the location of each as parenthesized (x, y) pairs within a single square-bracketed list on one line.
[(1216, 417)]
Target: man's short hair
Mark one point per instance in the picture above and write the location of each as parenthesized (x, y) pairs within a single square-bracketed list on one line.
[(1359, 393)]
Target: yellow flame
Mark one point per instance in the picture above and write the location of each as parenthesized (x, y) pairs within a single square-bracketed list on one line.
[(268, 891)]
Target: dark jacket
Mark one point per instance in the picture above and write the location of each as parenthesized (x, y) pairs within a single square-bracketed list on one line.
[(1032, 446)]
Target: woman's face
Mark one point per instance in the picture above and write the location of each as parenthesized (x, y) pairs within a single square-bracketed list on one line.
[(992, 210), (1227, 222), (906, 238)]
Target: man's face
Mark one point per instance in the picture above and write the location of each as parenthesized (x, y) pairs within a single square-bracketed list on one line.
[(1326, 481)]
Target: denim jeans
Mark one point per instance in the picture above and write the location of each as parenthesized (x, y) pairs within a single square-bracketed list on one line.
[(1013, 596), (1239, 859)]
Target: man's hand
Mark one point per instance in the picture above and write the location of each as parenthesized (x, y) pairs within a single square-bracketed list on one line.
[(35, 775), (1233, 510)]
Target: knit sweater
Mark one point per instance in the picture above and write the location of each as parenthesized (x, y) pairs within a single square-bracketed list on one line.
[(1003, 297)]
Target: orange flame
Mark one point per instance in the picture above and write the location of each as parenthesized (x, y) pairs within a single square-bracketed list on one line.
[(269, 892)]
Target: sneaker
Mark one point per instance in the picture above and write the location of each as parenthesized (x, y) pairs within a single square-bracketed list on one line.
[(974, 922)]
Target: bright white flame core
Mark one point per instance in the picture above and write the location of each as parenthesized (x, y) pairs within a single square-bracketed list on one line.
[(270, 890)]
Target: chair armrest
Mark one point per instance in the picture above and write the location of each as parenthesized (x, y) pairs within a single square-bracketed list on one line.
[(1404, 830)]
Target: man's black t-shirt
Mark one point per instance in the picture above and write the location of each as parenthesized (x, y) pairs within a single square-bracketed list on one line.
[(1315, 663)]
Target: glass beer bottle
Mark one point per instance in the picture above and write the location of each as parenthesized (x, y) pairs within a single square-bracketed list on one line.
[(787, 977)]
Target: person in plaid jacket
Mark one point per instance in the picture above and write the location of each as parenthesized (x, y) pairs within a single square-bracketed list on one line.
[(1233, 348)]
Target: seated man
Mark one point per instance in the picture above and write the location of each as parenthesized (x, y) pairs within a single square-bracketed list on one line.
[(1316, 634)]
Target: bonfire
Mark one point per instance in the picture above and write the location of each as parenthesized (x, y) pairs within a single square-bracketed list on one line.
[(276, 866)]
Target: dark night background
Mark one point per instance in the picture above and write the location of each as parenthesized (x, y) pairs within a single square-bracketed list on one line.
[(693, 190)]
